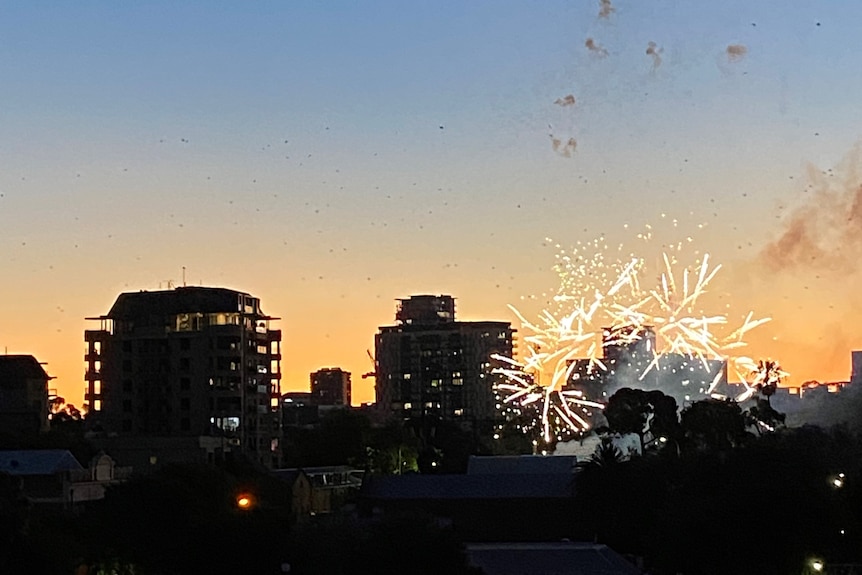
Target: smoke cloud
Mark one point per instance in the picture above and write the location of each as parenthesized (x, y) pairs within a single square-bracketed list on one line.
[(565, 101), (564, 149), (825, 231), (606, 9), (736, 52), (595, 48), (655, 51)]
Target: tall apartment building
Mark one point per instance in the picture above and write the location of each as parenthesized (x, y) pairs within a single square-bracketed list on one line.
[(330, 386), (23, 395), (430, 365), (191, 362)]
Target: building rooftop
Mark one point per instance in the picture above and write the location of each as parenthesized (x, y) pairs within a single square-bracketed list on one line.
[(548, 559), (19, 367), (480, 486), (521, 464), (131, 305), (38, 462)]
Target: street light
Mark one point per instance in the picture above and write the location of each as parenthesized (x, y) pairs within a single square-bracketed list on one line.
[(244, 501), (817, 565)]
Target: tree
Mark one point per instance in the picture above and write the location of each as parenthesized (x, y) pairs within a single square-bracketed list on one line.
[(714, 423), (642, 412), (606, 454), (762, 416)]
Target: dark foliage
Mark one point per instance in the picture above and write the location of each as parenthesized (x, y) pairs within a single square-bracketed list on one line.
[(764, 507)]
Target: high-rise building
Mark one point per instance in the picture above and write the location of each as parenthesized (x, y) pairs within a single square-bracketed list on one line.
[(430, 365), (23, 395), (330, 386), (185, 363)]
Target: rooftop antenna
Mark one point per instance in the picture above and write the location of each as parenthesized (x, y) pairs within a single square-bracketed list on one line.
[(184, 276)]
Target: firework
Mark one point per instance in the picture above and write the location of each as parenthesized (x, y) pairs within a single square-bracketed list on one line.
[(761, 377), (599, 289)]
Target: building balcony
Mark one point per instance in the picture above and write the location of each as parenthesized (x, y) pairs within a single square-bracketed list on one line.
[(92, 356), (92, 396), (93, 375)]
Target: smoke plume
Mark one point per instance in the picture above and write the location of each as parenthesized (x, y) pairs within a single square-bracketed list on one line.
[(606, 9), (825, 231), (736, 52), (655, 51), (564, 149), (595, 48), (565, 101)]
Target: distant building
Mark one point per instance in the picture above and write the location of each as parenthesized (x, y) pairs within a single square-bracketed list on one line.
[(630, 361), (856, 366), (23, 395), (297, 410), (428, 365), (320, 490), (330, 386), (185, 365), (498, 499), (55, 477)]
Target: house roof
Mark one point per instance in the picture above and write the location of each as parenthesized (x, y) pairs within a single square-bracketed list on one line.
[(20, 367), (192, 299), (38, 462), (531, 464), (483, 486), (563, 558)]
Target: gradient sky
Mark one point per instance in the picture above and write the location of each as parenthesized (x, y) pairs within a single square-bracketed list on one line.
[(332, 157)]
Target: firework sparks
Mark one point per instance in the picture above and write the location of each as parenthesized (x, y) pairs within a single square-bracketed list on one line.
[(761, 377), (597, 290)]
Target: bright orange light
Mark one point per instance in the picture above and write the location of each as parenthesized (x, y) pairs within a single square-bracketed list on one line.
[(243, 501)]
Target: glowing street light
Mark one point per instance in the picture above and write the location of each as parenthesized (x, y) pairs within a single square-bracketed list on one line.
[(244, 501), (817, 565)]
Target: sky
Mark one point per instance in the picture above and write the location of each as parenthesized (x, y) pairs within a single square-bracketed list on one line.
[(331, 158)]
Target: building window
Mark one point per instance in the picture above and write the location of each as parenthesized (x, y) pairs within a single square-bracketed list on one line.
[(127, 425), (127, 406), (127, 365), (127, 346), (185, 364), (185, 344), (185, 404), (185, 425), (185, 383), (127, 385)]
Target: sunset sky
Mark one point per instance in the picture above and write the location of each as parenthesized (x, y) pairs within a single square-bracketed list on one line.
[(333, 157)]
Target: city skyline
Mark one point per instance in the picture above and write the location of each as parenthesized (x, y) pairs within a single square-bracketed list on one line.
[(333, 160)]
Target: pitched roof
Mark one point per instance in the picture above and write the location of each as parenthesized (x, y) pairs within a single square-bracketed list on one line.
[(37, 462), (21, 367), (192, 299), (563, 558), (483, 486)]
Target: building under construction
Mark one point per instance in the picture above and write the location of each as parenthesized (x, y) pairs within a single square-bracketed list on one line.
[(194, 370)]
